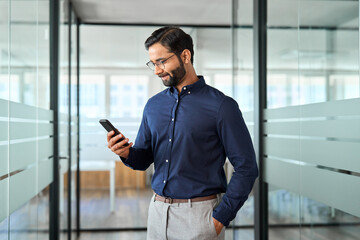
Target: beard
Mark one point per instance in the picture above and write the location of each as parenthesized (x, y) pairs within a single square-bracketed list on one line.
[(177, 76)]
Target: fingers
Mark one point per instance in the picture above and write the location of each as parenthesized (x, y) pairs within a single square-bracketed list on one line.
[(123, 149), (119, 145), (113, 140), (109, 135)]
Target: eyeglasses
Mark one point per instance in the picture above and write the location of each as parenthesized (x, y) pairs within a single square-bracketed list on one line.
[(160, 63)]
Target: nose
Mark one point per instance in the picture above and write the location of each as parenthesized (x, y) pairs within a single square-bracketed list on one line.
[(158, 70)]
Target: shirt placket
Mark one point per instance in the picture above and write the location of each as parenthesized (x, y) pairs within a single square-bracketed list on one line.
[(170, 139)]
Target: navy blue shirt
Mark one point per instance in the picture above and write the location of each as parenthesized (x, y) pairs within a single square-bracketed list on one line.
[(188, 138)]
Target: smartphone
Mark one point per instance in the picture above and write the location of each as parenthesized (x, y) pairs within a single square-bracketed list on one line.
[(109, 127)]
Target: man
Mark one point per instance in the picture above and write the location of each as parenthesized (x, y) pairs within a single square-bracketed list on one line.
[(187, 131)]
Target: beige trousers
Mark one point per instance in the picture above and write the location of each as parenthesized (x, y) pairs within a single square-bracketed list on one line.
[(182, 221)]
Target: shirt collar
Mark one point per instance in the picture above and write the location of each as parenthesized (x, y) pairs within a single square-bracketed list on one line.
[(191, 87)]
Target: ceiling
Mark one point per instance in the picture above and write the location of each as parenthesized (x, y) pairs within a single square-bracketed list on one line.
[(122, 46), (157, 12)]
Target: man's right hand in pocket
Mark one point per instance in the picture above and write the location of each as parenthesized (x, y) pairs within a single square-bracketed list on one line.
[(118, 148)]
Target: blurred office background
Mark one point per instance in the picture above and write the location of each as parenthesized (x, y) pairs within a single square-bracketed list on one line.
[(66, 64)]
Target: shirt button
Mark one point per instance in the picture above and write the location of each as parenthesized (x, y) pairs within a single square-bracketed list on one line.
[(189, 92), (167, 160), (164, 181), (184, 88), (172, 119), (170, 140), (177, 100)]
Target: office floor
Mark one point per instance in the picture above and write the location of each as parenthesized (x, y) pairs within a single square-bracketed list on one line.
[(131, 208)]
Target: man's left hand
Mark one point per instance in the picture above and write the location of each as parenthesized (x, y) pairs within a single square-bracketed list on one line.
[(218, 226)]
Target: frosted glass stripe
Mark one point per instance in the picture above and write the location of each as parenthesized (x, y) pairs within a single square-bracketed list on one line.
[(332, 188), (278, 113), (45, 129), (3, 108), (19, 130), (45, 174), (3, 131), (339, 155), (282, 128), (333, 154), (22, 188), (332, 128), (45, 114), (3, 160), (18, 110), (327, 128), (282, 147), (22, 155), (45, 148), (4, 199), (282, 174), (348, 107)]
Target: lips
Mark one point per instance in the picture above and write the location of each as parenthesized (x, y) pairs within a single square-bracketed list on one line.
[(164, 77)]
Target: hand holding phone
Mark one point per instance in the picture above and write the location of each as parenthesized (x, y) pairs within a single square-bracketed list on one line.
[(109, 127), (122, 150)]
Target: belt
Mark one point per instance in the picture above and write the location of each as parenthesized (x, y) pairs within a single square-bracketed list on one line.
[(172, 200)]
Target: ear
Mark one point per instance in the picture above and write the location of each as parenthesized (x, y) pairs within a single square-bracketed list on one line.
[(186, 56)]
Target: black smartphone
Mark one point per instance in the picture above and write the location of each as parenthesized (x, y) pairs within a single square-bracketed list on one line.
[(109, 127)]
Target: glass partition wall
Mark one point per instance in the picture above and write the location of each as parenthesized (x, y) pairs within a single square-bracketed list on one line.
[(26, 132), (312, 120)]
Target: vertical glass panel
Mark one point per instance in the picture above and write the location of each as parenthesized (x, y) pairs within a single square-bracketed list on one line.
[(282, 54), (283, 90), (284, 212), (64, 111), (4, 49), (4, 96), (243, 87), (23, 51), (4, 211), (328, 51), (23, 70), (74, 118), (45, 148), (43, 55), (328, 71), (115, 84), (213, 56), (311, 58)]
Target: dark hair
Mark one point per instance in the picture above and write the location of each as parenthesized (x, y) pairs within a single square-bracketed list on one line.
[(173, 38)]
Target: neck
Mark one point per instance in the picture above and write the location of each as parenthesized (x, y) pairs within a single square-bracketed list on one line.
[(188, 79)]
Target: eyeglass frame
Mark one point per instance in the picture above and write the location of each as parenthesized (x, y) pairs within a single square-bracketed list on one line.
[(160, 63)]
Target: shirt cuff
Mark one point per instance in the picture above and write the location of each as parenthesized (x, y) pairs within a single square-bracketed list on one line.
[(223, 214), (125, 160)]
